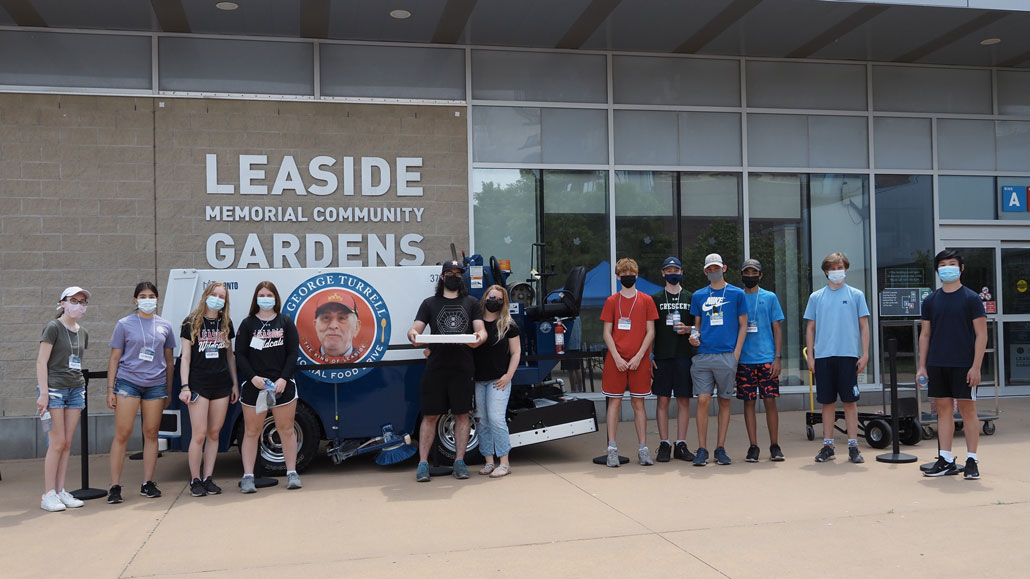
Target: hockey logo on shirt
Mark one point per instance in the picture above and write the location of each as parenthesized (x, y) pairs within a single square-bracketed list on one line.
[(452, 320)]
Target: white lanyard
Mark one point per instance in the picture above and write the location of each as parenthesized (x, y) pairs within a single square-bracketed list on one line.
[(143, 332), (667, 301), (633, 305), (74, 346)]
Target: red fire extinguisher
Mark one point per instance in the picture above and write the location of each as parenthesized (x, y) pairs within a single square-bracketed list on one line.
[(559, 338)]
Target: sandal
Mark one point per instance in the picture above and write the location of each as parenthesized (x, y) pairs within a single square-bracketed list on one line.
[(487, 469), (500, 471)]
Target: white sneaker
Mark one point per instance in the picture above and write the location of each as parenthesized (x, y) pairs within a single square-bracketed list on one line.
[(51, 503), (645, 456), (68, 500)]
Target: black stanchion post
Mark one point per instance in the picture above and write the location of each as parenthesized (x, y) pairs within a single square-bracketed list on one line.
[(86, 493), (897, 456)]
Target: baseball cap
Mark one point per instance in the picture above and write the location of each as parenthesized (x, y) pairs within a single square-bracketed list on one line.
[(452, 264), (335, 300), (751, 263), (72, 291), (672, 262), (713, 259)]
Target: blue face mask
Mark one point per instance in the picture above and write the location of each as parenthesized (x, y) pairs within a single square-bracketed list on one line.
[(214, 303), (673, 278), (266, 303), (949, 273)]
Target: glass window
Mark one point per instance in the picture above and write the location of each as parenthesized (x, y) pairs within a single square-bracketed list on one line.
[(979, 274), (902, 143), (574, 136), (504, 205), (1015, 277), (931, 90), (1017, 353), (535, 135), (352, 70), (709, 139), (646, 138), (807, 141), (210, 65), (779, 232), (965, 145), (904, 231), (1021, 184), (1013, 139), (777, 140), (539, 76), (646, 80), (1013, 88), (710, 222), (961, 197), (805, 85), (645, 219), (74, 60)]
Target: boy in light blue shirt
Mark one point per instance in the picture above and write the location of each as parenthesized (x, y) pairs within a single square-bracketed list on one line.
[(837, 338), (758, 373)]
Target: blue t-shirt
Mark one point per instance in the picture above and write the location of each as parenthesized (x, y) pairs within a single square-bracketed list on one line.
[(836, 314), (728, 302), (131, 334), (763, 308), (952, 338)]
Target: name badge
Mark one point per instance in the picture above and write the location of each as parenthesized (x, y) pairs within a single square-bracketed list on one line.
[(146, 354), (257, 343), (752, 327), (624, 324), (212, 352), (670, 320), (716, 319), (74, 362)]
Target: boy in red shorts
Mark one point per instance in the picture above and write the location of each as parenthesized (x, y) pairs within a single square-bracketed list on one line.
[(628, 318)]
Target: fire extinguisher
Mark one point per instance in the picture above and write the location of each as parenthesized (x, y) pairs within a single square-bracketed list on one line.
[(559, 338)]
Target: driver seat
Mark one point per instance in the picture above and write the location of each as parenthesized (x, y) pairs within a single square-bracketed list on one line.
[(563, 302)]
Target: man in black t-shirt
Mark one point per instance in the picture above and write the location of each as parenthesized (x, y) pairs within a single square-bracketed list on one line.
[(447, 384), (951, 351), (672, 354)]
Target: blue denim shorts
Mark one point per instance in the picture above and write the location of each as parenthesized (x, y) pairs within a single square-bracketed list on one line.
[(125, 388), (62, 398)]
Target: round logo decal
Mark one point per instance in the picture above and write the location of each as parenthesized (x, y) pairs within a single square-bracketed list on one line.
[(341, 319)]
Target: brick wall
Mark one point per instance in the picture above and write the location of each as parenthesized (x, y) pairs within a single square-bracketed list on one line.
[(104, 192)]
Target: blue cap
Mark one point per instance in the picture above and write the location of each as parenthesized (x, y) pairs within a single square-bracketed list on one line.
[(672, 261)]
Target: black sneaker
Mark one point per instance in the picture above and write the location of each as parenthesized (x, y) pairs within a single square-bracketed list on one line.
[(825, 454), (972, 471), (211, 487), (752, 454), (664, 450), (114, 496), (681, 452), (149, 490), (942, 468), (775, 454), (855, 455), (197, 488)]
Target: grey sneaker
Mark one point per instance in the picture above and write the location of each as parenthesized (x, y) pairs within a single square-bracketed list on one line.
[(293, 481), (645, 456), (721, 457), (854, 455), (461, 472), (247, 485), (613, 457), (825, 454)]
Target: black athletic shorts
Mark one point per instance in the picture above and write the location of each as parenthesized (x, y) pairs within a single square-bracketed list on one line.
[(446, 390), (836, 376), (249, 394), (672, 378), (948, 383)]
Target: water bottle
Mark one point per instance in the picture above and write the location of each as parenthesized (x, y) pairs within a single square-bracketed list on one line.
[(922, 381), (270, 392), (44, 419), (694, 334)]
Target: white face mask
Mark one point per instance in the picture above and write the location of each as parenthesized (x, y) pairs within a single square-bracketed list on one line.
[(74, 311), (837, 276), (147, 305)]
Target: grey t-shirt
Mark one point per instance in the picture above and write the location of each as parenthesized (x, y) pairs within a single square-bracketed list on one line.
[(66, 343)]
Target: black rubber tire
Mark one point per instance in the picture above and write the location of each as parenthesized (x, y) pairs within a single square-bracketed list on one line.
[(443, 443), (810, 432), (878, 433), (928, 432), (269, 456), (989, 427), (911, 432)]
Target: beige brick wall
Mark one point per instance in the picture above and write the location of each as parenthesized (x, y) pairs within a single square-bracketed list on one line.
[(104, 192)]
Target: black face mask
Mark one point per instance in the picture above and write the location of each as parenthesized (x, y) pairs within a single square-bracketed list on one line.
[(750, 281), (452, 282), (493, 305), (628, 281), (674, 278)]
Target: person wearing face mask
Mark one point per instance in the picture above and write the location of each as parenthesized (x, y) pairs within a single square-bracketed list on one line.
[(61, 390), (837, 338), (720, 316), (448, 381), (207, 373), (758, 373), (139, 378), (629, 317), (952, 341), (672, 353), (266, 352), (496, 362)]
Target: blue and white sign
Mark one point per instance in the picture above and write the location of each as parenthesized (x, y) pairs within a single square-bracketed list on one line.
[(1013, 198)]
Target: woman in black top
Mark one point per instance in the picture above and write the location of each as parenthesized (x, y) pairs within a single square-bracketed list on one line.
[(266, 351), (496, 362), (207, 361)]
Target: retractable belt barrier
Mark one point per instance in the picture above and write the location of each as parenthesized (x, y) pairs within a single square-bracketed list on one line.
[(86, 493)]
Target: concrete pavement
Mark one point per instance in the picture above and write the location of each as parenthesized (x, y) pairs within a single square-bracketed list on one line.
[(556, 515)]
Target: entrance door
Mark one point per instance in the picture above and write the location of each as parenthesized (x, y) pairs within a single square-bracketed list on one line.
[(1014, 317)]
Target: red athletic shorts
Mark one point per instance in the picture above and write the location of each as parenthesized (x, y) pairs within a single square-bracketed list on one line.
[(614, 383)]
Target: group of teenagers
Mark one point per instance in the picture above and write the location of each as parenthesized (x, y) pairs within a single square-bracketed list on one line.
[(727, 341), (732, 347)]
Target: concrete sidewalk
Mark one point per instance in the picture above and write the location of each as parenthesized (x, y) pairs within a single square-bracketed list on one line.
[(556, 515)]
